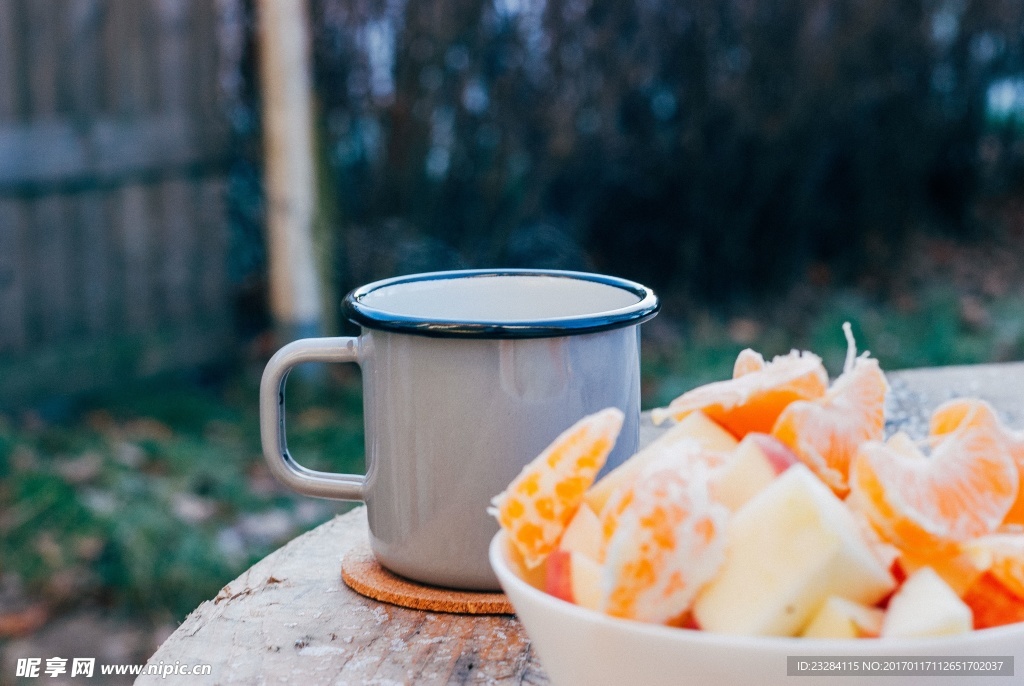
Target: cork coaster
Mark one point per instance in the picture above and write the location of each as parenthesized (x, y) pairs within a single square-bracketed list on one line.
[(364, 575)]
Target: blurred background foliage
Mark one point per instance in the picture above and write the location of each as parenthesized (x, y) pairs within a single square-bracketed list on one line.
[(711, 150), (772, 167), (148, 501)]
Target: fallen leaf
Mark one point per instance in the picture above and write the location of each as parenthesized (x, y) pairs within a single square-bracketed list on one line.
[(22, 622)]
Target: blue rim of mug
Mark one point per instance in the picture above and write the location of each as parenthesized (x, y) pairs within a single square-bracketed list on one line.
[(647, 306)]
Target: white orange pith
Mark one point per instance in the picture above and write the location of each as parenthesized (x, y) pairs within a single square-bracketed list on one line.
[(683, 458), (538, 504), (695, 432), (668, 543), (746, 362)]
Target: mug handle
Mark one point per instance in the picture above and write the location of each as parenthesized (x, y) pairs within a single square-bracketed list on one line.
[(275, 445)]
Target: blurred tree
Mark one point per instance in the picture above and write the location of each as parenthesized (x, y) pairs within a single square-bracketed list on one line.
[(295, 285), (710, 148)]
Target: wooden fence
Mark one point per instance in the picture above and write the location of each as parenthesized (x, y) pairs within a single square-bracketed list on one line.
[(113, 149)]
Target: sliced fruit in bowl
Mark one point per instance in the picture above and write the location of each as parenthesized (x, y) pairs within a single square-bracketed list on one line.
[(756, 395), (790, 548), (772, 517), (577, 645), (842, 618)]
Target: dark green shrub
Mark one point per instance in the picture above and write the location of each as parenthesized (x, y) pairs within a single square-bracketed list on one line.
[(712, 148)]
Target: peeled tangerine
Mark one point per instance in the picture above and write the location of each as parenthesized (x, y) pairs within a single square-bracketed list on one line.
[(953, 414), (666, 546), (536, 507), (825, 432), (788, 550), (930, 505), (753, 399), (696, 431)]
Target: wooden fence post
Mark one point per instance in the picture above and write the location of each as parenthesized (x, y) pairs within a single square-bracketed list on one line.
[(295, 298)]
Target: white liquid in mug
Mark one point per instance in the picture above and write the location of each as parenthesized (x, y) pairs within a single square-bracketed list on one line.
[(500, 299)]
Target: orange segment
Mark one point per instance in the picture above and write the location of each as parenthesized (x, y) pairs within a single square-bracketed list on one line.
[(992, 604), (694, 432), (953, 565), (682, 458), (952, 413), (826, 432), (754, 400), (668, 544), (538, 504), (746, 362), (1003, 556), (611, 515), (927, 505), (959, 412)]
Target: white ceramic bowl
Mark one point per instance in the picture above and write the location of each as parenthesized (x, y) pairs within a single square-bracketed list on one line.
[(579, 646)]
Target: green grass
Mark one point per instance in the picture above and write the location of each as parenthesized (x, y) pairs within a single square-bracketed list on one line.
[(931, 332), (150, 499)]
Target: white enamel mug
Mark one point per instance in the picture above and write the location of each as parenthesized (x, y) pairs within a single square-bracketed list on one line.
[(467, 376)]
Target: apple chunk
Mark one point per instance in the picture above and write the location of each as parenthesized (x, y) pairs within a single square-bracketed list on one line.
[(957, 568), (755, 463), (925, 605), (842, 618), (694, 428), (583, 535), (575, 578), (788, 549), (558, 581)]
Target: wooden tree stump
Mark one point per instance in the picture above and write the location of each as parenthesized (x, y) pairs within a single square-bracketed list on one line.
[(291, 619)]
